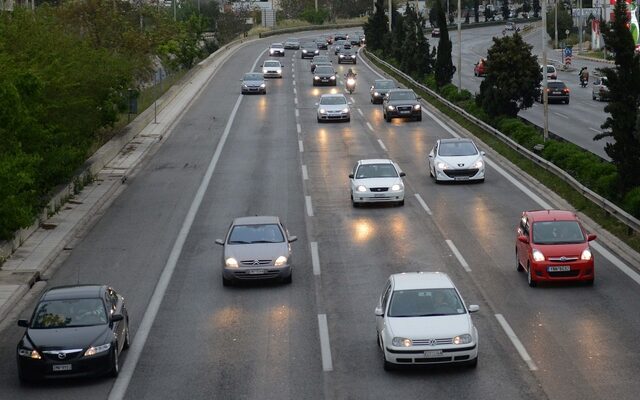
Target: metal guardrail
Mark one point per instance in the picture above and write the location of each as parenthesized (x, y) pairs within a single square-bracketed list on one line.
[(608, 206)]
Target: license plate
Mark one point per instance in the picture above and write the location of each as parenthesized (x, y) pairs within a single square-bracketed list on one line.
[(461, 178), (325, 80), (379, 195), (405, 112), (559, 268), (256, 271), (556, 92), (433, 353), (62, 367)]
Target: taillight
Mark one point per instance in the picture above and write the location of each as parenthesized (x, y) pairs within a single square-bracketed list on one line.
[(565, 90)]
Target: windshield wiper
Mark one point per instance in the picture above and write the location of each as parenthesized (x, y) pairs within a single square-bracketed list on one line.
[(238, 242)]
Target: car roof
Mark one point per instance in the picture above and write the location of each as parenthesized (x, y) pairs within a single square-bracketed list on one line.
[(455, 140), (375, 161), (400, 90), (383, 80), (272, 61), (333, 95), (421, 280), (256, 74), (73, 292), (551, 215), (256, 219), (276, 44)]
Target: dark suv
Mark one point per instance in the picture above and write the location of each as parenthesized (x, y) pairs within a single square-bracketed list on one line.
[(556, 91), (401, 103)]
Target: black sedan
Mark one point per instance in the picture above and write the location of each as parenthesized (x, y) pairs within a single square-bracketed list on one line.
[(401, 103), (324, 75), (74, 331), (347, 56), (309, 50), (380, 88), (557, 91)]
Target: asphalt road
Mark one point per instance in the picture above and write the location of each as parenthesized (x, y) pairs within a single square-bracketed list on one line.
[(267, 341)]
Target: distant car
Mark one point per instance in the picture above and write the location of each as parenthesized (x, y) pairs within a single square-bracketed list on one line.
[(600, 90), (333, 107), (355, 40), (422, 319), (253, 82), (256, 248), (340, 36), (324, 75), (322, 43), (435, 32), (292, 44), (309, 50), (329, 39), (557, 91), (376, 181), (401, 103), (347, 56), (552, 245), (272, 69), (380, 88), (551, 71), (510, 26), (339, 45), (317, 60), (480, 68), (74, 331), (276, 50), (456, 159)]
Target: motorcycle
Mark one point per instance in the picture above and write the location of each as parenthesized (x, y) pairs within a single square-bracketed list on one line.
[(584, 82), (351, 84)]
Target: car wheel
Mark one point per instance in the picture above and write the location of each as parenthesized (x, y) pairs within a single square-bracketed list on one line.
[(589, 282), (401, 203), (115, 362), (566, 102), (319, 120), (473, 363), (593, 97), (518, 266), (127, 337), (353, 202), (288, 279), (348, 119), (387, 118), (430, 171), (226, 282), (24, 381), (530, 280), (419, 118)]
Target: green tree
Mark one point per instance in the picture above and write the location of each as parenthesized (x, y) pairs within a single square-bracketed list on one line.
[(443, 67), (375, 28), (505, 9), (535, 6), (512, 79), (623, 125), (526, 6), (476, 10), (565, 22), (423, 56), (398, 38), (408, 44)]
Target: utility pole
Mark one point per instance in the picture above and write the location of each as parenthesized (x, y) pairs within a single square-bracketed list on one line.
[(556, 17), (545, 97), (459, 48), (175, 13), (390, 13), (316, 5), (580, 28)]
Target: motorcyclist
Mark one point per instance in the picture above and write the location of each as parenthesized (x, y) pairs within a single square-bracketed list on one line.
[(351, 74), (584, 76)]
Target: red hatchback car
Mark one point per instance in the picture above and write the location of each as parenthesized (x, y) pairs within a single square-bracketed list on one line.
[(480, 68), (552, 245)]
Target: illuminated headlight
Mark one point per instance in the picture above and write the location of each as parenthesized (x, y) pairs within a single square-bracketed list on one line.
[(92, 351), (391, 108), (345, 110), (376, 94), (231, 262), (262, 85), (264, 71), (341, 56), (271, 51), (401, 342), (244, 85), (538, 256), (304, 51), (351, 81), (279, 71), (353, 56), (478, 164), (442, 165), (281, 261), (29, 353), (316, 78), (361, 188), (316, 51), (323, 111), (586, 255), (397, 187), (416, 107), (333, 78), (462, 339)]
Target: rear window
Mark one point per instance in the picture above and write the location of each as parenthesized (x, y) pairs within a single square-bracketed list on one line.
[(556, 85)]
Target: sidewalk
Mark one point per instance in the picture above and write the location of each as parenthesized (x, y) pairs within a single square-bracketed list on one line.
[(36, 254)]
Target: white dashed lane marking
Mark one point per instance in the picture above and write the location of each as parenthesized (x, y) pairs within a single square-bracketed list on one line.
[(423, 204), (382, 145), (458, 255)]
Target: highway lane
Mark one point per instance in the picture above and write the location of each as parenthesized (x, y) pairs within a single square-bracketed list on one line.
[(262, 341)]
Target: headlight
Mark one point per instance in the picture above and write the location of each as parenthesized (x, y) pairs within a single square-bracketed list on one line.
[(586, 255), (353, 56), (279, 71), (231, 262), (244, 85), (264, 71), (462, 339), (351, 81), (333, 78), (315, 78), (304, 51), (391, 108), (538, 256), (416, 107), (262, 85), (341, 56), (401, 342), (442, 165), (345, 110), (376, 94), (478, 164), (281, 261), (92, 351), (271, 51), (29, 353), (323, 111), (396, 187), (361, 188)]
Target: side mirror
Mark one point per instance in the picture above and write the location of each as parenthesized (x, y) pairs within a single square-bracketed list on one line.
[(523, 239), (403, 174), (220, 242), (418, 97), (292, 239), (117, 317), (351, 176), (378, 312), (23, 323), (482, 152), (591, 236), (473, 308)]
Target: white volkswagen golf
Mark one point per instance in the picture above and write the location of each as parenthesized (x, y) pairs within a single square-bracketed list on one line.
[(376, 180), (422, 319)]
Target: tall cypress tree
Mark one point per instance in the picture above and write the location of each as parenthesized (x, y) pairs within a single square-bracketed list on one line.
[(624, 91), (422, 55), (444, 67), (375, 28)]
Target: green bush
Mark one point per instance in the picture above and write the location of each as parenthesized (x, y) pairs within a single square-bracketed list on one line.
[(450, 92), (315, 17), (632, 202)]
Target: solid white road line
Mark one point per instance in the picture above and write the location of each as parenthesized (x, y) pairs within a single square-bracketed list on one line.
[(382, 145), (595, 130), (300, 146), (516, 342), (315, 258), (298, 128), (616, 261), (307, 201), (423, 204), (369, 126), (325, 347), (461, 259), (353, 100), (305, 174), (360, 111)]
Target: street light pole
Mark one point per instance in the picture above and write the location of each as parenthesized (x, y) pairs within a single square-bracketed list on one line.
[(390, 13), (580, 29), (556, 25), (545, 97), (459, 48)]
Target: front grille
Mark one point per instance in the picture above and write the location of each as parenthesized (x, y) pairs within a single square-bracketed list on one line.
[(268, 274), (564, 274), (404, 108), (380, 189), (429, 342), (250, 263), (566, 259), (452, 173), (70, 355)]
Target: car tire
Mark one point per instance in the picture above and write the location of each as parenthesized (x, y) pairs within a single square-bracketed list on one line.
[(473, 363), (589, 282), (127, 337), (419, 118), (401, 203), (566, 102), (593, 97), (226, 282), (288, 279), (319, 120), (353, 202), (518, 266), (115, 363), (24, 381), (348, 119), (387, 118), (530, 280)]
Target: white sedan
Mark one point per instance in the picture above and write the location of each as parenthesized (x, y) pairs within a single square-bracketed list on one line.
[(422, 319), (272, 69), (376, 180), (456, 160), (333, 107)]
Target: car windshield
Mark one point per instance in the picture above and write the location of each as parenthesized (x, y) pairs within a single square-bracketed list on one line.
[(333, 100), (346, 52), (376, 171), (320, 59), (402, 96), (310, 46), (271, 63), (425, 303), (324, 70), (453, 149), (292, 40), (253, 77), (277, 46), (557, 232), (257, 233), (69, 313), (384, 85)]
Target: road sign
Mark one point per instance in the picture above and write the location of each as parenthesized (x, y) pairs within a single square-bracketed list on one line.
[(567, 53)]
